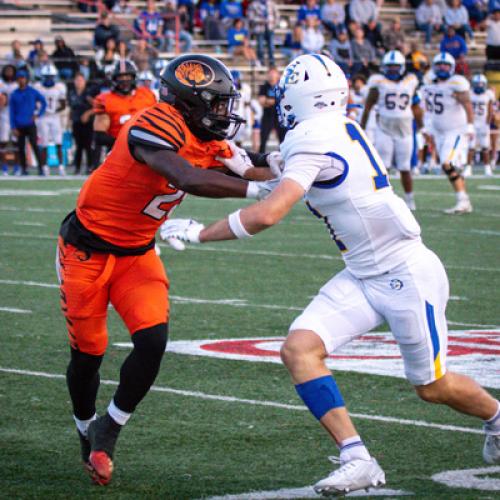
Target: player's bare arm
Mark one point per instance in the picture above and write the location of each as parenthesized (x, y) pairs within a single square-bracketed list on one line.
[(61, 105), (102, 123), (418, 114), (464, 99), (371, 100), (260, 215), (192, 180)]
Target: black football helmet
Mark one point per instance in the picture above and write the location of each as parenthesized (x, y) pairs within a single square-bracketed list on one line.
[(124, 68), (203, 91)]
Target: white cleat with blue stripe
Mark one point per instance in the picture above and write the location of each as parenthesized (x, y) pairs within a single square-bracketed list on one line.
[(491, 450), (351, 476)]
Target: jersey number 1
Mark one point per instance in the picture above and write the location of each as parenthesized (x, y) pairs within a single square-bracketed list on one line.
[(380, 179)]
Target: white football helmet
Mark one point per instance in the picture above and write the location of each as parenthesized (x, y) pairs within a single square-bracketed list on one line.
[(48, 70), (479, 83), (145, 76), (393, 65), (443, 58), (311, 84)]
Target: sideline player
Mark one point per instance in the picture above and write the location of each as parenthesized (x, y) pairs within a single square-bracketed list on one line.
[(50, 125), (106, 246), (7, 85), (447, 101), (114, 108), (390, 274), (482, 99), (395, 94)]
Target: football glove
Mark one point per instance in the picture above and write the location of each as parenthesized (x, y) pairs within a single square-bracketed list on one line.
[(261, 189), (276, 163), (187, 230), (239, 163)]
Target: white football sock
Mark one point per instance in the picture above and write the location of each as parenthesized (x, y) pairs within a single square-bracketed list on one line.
[(462, 196), (353, 448), (119, 416), (492, 425), (83, 425)]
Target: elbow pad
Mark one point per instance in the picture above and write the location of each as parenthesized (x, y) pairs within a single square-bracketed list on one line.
[(103, 139)]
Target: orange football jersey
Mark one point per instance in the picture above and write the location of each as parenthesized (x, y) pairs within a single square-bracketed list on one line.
[(124, 201), (121, 108)]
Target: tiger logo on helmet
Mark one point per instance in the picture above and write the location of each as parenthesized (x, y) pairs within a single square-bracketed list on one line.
[(195, 73)]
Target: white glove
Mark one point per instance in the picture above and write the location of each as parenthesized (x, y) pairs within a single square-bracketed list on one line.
[(261, 189), (276, 163), (176, 244), (187, 230), (239, 163)]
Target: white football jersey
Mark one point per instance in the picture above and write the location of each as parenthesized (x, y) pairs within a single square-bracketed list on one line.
[(348, 188), (440, 102), (7, 88), (395, 97), (52, 95), (480, 104)]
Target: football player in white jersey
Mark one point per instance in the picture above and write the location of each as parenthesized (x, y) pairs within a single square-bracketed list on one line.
[(390, 275), (482, 99), (395, 94), (7, 85), (447, 102), (50, 124), (148, 80)]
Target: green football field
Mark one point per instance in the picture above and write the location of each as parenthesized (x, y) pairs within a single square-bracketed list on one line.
[(215, 426)]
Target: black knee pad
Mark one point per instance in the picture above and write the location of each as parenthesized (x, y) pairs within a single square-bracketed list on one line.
[(452, 173), (151, 341), (83, 365)]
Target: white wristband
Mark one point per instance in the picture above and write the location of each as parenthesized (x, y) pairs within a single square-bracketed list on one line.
[(237, 226), (252, 189)]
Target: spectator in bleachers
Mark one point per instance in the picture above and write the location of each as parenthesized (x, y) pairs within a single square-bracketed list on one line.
[(239, 43), (36, 53), (213, 27), (230, 11), (26, 104), (263, 18), (80, 103), (149, 24), (374, 36), (292, 46), (308, 10), (416, 61), (493, 35), (64, 58), (87, 6), (15, 56), (104, 30), (185, 39), (363, 11), (42, 60), (190, 11), (313, 40), (341, 50), (122, 7), (107, 58), (453, 43), (267, 99), (143, 55), (333, 16), (87, 67), (363, 53), (429, 19), (478, 11), (393, 37), (456, 15)]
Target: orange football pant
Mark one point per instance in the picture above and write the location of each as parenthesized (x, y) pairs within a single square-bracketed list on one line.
[(137, 286)]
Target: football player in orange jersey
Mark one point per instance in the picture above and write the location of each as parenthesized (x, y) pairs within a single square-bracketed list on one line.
[(113, 109), (106, 246)]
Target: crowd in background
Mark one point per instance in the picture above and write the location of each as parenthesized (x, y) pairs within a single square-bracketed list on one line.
[(352, 33)]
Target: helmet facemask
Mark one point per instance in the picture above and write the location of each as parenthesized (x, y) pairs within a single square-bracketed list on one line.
[(393, 72), (124, 83)]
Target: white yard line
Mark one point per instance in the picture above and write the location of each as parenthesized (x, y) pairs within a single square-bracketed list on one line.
[(256, 402), (15, 310), (28, 223), (4, 208), (230, 302)]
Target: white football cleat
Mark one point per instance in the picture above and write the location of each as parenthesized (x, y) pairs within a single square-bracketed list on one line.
[(410, 203), (491, 450), (46, 170), (467, 171), (488, 171), (462, 207), (62, 170), (354, 475)]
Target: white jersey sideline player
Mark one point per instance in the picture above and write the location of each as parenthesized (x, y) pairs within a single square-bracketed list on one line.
[(49, 125), (482, 99), (389, 275), (7, 85), (395, 95), (449, 110)]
